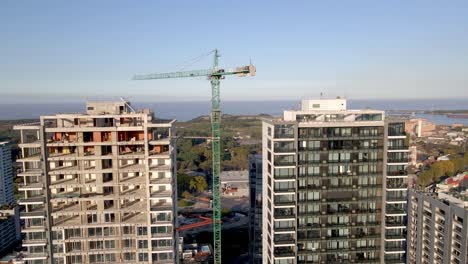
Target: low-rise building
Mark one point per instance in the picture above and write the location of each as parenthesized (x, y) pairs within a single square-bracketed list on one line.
[(235, 183)]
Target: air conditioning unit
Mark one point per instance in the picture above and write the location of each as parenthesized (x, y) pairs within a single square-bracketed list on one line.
[(354, 198), (324, 187), (324, 161), (354, 161), (324, 200), (353, 211), (354, 186), (324, 174), (353, 223), (323, 225), (324, 149)]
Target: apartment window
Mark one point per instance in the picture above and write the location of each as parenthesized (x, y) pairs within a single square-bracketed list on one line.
[(127, 243), (109, 231), (129, 256), (109, 217), (142, 243), (96, 245), (72, 233), (284, 131), (75, 259), (142, 231), (109, 244), (92, 218), (142, 256)]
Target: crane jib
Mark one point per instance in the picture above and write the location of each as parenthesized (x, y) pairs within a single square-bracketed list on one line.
[(215, 75)]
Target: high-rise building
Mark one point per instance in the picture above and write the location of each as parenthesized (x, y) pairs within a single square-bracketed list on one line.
[(437, 227), (324, 186), (255, 213), (9, 222), (9, 229), (99, 187), (396, 188), (7, 195)]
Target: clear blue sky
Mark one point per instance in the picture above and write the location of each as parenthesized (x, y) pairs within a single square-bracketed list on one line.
[(360, 49)]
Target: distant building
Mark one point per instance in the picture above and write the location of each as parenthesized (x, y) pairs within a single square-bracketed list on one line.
[(7, 195), (99, 187), (255, 213), (419, 127), (334, 186), (437, 228)]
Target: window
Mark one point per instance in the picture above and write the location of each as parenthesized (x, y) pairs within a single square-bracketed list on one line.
[(109, 217), (142, 243), (142, 231), (142, 256), (92, 218)]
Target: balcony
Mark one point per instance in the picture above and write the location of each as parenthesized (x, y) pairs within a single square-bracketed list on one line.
[(31, 172), (30, 186), (36, 213), (161, 207), (32, 200), (284, 229), (280, 252), (160, 167), (162, 193)]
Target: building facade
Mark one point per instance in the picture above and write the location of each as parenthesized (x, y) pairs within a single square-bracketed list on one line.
[(255, 213), (324, 186), (438, 228), (99, 187), (7, 195), (396, 188), (9, 229)]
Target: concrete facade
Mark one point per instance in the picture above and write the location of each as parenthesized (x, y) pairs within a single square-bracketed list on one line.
[(99, 187), (325, 174), (437, 228)]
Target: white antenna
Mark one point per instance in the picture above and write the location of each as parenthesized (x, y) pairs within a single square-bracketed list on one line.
[(127, 104)]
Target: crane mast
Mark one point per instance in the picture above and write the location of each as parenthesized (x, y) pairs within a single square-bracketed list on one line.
[(215, 75)]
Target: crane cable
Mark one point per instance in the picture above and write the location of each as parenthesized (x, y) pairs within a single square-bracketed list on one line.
[(192, 61)]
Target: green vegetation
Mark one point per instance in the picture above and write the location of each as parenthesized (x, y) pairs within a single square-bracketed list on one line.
[(440, 169), (184, 203), (198, 184), (241, 136)]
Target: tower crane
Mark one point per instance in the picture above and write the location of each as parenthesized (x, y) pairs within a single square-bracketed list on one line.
[(215, 74)]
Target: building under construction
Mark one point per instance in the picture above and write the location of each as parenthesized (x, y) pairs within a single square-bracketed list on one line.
[(99, 187)]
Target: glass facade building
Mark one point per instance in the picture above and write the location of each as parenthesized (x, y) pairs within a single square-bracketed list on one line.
[(324, 186)]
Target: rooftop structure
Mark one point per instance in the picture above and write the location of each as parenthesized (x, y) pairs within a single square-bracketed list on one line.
[(334, 186), (99, 187)]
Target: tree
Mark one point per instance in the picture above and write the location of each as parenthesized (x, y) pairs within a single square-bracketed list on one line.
[(186, 195), (198, 183), (183, 183)]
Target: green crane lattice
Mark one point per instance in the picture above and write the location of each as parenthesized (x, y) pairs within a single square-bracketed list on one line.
[(215, 75)]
